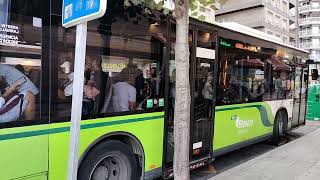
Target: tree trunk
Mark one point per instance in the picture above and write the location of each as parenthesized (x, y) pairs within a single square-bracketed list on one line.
[(182, 101)]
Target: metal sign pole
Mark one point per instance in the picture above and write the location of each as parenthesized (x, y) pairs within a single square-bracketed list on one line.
[(77, 95)]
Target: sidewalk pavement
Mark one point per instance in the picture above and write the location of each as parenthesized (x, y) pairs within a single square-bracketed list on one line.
[(297, 160)]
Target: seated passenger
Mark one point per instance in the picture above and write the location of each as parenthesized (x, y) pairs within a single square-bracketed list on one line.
[(15, 105), (11, 75)]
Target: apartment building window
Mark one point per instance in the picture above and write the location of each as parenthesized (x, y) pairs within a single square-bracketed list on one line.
[(278, 35), (270, 17), (284, 6), (277, 21), (285, 40), (271, 2), (277, 3), (285, 24), (269, 32)]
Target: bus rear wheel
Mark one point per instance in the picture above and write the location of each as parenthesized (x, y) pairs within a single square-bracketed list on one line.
[(279, 127), (110, 160)]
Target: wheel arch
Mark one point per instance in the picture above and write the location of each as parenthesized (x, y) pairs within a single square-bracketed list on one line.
[(131, 140)]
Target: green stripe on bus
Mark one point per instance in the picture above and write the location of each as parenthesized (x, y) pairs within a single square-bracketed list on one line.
[(66, 129), (95, 125), (261, 108)]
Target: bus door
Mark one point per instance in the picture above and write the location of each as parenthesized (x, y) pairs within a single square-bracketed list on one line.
[(304, 95), (202, 78), (300, 90), (202, 62)]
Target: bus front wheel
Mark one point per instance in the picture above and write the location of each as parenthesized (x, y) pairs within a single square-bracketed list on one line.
[(110, 160)]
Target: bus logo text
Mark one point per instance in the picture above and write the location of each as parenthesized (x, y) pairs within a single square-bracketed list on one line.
[(242, 123)]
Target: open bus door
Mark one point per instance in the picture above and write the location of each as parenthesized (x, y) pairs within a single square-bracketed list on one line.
[(300, 95), (202, 45), (203, 75)]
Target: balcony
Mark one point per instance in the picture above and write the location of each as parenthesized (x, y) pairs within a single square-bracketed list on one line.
[(309, 20), (231, 7), (309, 45), (308, 8), (315, 56), (308, 33)]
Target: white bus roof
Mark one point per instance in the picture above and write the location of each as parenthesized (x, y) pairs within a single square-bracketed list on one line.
[(256, 33)]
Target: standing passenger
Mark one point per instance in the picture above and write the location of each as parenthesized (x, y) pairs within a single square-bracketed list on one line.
[(207, 93), (124, 95)]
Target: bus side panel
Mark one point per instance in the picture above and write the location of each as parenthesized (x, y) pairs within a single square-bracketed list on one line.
[(286, 104), (23, 152), (147, 128), (239, 123)]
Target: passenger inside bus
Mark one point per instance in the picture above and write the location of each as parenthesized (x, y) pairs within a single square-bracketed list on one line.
[(124, 95), (257, 91), (15, 104), (127, 90), (24, 86)]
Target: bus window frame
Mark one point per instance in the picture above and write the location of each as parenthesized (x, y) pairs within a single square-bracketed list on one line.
[(44, 99)]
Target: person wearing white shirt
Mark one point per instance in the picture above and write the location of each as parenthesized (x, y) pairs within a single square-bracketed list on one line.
[(123, 97)]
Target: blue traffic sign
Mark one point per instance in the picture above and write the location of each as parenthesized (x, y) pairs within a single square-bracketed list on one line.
[(75, 12)]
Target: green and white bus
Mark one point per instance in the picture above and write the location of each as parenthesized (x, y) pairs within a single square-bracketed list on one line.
[(246, 87)]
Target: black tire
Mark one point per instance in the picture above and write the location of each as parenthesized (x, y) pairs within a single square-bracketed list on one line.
[(279, 127), (112, 160)]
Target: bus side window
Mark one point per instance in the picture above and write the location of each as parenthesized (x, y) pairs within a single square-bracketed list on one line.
[(21, 70), (280, 79), (241, 79), (123, 70)]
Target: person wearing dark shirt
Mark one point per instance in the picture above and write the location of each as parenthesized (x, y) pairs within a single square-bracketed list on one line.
[(139, 85)]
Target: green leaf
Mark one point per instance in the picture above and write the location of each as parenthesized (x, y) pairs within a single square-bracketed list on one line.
[(135, 2), (201, 18), (193, 7), (222, 2), (213, 7), (202, 2), (166, 11), (127, 3), (202, 9), (194, 14), (159, 6)]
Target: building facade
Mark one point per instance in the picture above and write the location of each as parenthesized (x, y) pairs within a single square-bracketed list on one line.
[(309, 27), (274, 17)]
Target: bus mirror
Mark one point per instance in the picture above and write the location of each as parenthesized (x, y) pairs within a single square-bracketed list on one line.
[(314, 74)]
